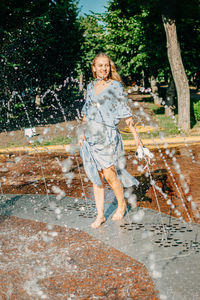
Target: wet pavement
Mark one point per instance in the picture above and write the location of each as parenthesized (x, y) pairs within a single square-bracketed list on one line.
[(166, 249), (40, 261)]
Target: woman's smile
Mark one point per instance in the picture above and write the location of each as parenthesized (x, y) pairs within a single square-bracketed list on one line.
[(102, 67)]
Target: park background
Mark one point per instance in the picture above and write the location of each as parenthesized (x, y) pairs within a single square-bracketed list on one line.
[(46, 53), (47, 49)]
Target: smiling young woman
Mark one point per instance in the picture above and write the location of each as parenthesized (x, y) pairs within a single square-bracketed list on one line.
[(102, 57), (104, 72), (101, 145)]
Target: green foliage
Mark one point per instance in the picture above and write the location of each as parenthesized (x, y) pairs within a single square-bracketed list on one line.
[(174, 9), (42, 53), (39, 57), (137, 37), (157, 109), (57, 106), (189, 38), (93, 42), (43, 42), (135, 40), (196, 108), (15, 14)]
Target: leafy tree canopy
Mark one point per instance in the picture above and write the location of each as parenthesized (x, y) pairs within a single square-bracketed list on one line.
[(38, 57), (15, 13), (137, 36), (45, 50), (136, 41), (93, 42), (171, 8)]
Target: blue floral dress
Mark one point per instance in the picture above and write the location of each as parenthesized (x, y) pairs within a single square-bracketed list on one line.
[(103, 146)]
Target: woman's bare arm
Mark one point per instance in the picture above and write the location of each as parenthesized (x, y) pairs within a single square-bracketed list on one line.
[(82, 137), (129, 122)]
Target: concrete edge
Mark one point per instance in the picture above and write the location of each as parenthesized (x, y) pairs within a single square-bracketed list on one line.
[(128, 145)]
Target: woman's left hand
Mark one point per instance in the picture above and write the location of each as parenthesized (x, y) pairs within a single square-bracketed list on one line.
[(129, 122), (139, 143), (80, 141)]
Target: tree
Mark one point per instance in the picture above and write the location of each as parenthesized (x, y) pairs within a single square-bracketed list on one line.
[(189, 38), (124, 36), (135, 45), (171, 12), (93, 42), (15, 14), (41, 55), (176, 64), (43, 52)]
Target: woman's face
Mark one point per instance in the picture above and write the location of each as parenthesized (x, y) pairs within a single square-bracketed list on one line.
[(102, 67)]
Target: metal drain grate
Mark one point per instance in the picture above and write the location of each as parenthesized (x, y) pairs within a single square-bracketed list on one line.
[(166, 235), (85, 210)]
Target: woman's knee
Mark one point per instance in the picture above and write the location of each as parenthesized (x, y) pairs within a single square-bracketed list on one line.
[(110, 175), (101, 175)]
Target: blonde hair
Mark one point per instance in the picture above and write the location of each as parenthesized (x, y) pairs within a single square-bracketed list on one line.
[(113, 71)]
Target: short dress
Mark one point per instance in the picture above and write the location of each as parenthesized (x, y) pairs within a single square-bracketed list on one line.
[(103, 146)]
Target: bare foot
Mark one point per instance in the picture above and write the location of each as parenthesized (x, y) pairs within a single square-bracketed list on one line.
[(98, 222), (118, 215)]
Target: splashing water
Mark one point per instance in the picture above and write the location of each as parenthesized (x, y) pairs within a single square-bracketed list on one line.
[(71, 162)]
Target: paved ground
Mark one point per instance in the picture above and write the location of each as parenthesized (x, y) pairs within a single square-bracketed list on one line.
[(71, 260), (53, 262)]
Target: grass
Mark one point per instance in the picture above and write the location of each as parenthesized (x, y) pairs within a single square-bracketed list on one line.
[(13, 144), (167, 124), (156, 109), (197, 125), (58, 140)]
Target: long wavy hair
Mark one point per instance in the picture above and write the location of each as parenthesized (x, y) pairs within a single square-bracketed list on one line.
[(113, 71)]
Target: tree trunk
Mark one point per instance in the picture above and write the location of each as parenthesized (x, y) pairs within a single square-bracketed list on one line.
[(143, 79), (37, 97), (178, 72), (154, 89), (170, 97)]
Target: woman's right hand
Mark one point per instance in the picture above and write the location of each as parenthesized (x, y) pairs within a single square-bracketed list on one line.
[(80, 141)]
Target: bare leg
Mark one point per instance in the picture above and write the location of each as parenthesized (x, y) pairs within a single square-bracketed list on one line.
[(99, 199), (116, 185)]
